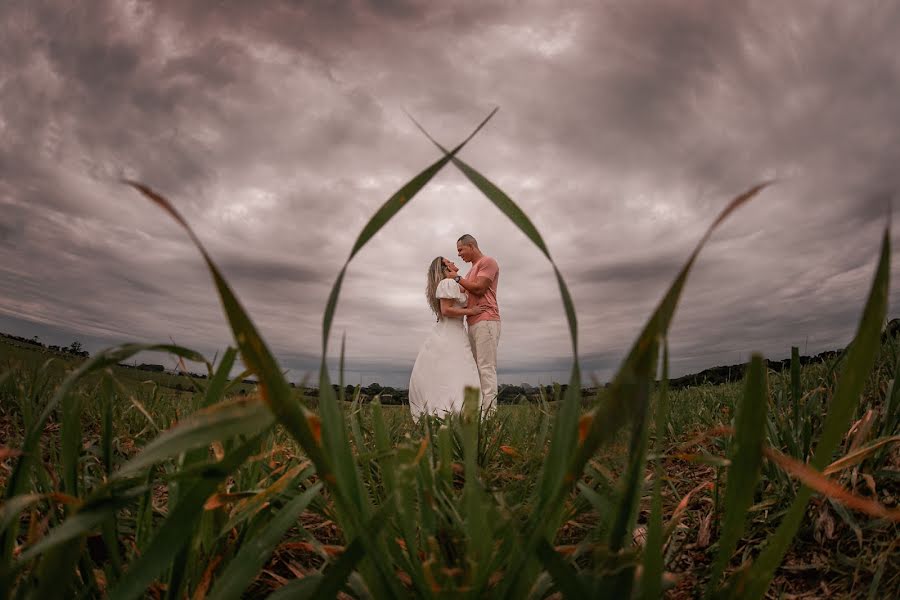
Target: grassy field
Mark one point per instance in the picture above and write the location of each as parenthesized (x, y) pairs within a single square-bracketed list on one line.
[(837, 552), (784, 485)]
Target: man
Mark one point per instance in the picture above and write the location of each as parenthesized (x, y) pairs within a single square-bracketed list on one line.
[(484, 329)]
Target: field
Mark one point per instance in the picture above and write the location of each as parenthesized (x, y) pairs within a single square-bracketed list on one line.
[(783, 485), (838, 551)]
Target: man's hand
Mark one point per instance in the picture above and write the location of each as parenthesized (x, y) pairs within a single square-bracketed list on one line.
[(475, 310), (477, 287)]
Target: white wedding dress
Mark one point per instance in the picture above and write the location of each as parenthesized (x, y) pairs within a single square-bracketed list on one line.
[(445, 365)]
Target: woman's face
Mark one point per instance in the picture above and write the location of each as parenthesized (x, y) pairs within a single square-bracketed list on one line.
[(451, 267)]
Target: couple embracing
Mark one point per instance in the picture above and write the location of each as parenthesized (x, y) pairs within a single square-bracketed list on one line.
[(452, 356)]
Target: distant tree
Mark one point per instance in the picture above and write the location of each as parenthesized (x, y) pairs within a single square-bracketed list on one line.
[(75, 347), (348, 392)]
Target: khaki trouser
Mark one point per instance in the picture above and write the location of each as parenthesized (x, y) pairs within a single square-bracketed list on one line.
[(484, 337)]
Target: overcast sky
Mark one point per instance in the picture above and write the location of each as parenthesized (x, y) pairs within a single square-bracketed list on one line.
[(278, 128)]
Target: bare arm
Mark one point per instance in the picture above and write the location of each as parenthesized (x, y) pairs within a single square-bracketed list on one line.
[(477, 287), (448, 310)]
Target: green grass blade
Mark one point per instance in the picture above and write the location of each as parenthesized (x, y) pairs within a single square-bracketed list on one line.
[(178, 527), (256, 355), (651, 580), (384, 214), (746, 460), (334, 429), (219, 422), (70, 443), (515, 214), (10, 509), (219, 381), (56, 571), (74, 527), (299, 589), (605, 420), (254, 553), (795, 393), (564, 574), (337, 573), (860, 358), (345, 479), (106, 358)]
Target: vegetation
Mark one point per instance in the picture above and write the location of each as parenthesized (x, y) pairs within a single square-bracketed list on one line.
[(714, 491)]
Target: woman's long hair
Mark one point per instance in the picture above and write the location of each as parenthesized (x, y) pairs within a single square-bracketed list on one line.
[(435, 275)]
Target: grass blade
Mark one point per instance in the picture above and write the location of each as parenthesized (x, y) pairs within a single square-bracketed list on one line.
[(18, 478), (600, 424), (860, 357), (564, 574), (746, 460), (254, 553), (299, 422), (178, 527), (219, 422), (651, 580)]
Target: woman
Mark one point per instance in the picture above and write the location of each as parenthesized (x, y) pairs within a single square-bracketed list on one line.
[(444, 366)]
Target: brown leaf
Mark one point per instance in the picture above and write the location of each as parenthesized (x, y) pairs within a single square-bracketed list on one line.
[(870, 482), (817, 481), (857, 456), (218, 451), (705, 530), (639, 536), (9, 452), (308, 547), (203, 586), (824, 529), (683, 504), (296, 569), (510, 451), (315, 426), (584, 426), (863, 427), (721, 431)]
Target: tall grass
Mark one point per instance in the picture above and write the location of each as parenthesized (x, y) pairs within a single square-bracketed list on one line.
[(422, 510)]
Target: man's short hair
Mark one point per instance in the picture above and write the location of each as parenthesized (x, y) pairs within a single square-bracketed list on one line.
[(467, 240)]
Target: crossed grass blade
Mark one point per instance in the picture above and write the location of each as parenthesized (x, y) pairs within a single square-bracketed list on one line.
[(346, 477), (566, 420), (335, 438), (859, 359), (636, 370)]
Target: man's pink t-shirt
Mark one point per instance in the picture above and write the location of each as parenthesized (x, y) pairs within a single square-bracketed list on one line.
[(484, 267)]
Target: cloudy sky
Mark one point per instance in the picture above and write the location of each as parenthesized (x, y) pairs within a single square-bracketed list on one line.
[(278, 128)]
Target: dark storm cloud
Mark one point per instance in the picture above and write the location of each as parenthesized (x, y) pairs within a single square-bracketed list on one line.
[(278, 129)]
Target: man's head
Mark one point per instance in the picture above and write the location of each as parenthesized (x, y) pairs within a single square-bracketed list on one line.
[(467, 248)]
